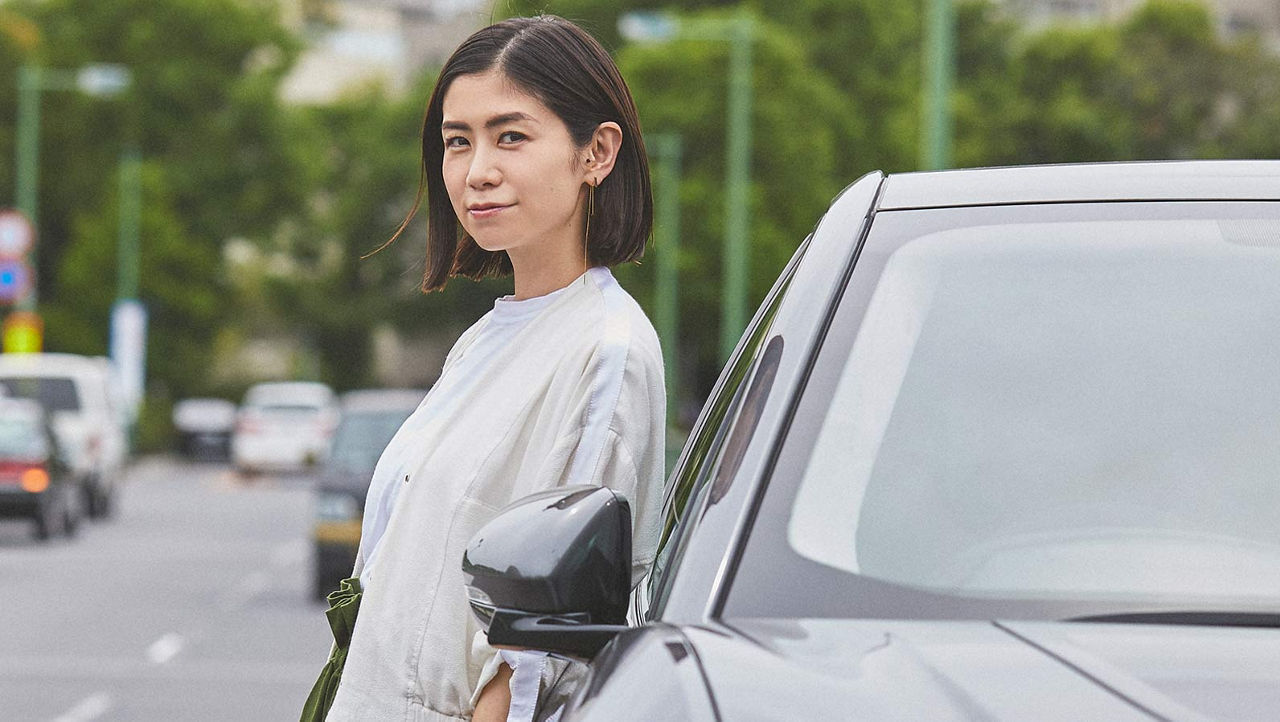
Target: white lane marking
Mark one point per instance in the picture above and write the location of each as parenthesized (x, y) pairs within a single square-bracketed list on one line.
[(90, 708), (290, 553), (165, 648)]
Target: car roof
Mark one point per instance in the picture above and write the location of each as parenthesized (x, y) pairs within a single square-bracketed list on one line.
[(381, 399), (306, 392), (50, 364), (1084, 182), (204, 402)]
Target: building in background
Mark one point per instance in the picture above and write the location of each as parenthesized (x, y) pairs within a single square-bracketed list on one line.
[(1234, 17), (356, 43)]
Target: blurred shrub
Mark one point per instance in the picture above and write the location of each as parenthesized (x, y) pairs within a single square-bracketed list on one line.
[(154, 433)]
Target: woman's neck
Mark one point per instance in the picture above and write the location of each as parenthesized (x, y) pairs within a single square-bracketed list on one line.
[(541, 273)]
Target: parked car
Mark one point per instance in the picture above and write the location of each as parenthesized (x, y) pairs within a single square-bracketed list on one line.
[(35, 482), (204, 426), (999, 444), (369, 419), (283, 426), (81, 395)]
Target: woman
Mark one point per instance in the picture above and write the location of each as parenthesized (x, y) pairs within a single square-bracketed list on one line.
[(534, 167)]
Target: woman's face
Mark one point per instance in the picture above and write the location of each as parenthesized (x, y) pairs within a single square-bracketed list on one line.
[(514, 176)]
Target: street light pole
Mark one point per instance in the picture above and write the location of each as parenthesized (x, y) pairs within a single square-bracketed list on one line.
[(28, 165), (98, 79), (738, 179), (130, 200), (739, 31), (667, 151), (939, 47)]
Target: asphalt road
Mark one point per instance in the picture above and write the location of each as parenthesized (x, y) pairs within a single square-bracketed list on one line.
[(190, 604)]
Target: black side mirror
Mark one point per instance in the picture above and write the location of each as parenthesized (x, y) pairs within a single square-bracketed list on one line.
[(553, 571)]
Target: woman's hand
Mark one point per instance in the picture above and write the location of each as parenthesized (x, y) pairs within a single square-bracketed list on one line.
[(495, 698)]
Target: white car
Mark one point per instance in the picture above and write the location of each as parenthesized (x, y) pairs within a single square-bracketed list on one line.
[(82, 395), (284, 426)]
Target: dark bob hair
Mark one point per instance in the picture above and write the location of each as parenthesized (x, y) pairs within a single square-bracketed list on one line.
[(568, 71)]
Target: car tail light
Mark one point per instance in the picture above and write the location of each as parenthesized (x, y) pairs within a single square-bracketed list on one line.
[(35, 479), (13, 473)]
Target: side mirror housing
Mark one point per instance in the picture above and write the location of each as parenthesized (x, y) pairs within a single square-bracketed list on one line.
[(553, 571)]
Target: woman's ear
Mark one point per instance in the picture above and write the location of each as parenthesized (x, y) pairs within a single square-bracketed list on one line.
[(602, 152)]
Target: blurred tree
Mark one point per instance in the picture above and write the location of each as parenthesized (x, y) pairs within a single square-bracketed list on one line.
[(869, 50), (1173, 65), (1159, 85), (835, 84), (796, 120), (204, 112), (185, 296), (365, 152), (986, 103)]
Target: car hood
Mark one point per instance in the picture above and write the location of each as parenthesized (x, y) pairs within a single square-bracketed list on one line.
[(835, 669)]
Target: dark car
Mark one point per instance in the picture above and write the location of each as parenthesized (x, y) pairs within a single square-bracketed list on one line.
[(999, 444), (369, 419), (203, 428), (35, 482)]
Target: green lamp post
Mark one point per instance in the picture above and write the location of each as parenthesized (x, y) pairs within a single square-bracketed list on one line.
[(100, 80), (739, 32)]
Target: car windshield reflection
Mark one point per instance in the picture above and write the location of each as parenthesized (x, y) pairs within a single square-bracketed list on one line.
[(1057, 410)]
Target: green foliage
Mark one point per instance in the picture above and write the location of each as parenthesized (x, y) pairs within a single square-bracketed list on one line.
[(796, 119), (365, 153), (221, 160), (836, 84), (184, 295), (1161, 85)]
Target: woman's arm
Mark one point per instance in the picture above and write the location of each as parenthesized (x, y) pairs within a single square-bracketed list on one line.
[(495, 699)]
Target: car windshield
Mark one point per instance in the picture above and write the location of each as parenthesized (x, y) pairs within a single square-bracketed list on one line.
[(362, 436), (1074, 408), (53, 393), (20, 437)]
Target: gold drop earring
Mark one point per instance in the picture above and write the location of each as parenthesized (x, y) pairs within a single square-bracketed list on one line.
[(586, 236)]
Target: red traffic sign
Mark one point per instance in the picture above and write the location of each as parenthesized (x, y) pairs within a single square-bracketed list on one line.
[(16, 234)]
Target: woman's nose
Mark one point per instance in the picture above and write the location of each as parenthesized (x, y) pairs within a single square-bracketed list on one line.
[(483, 171)]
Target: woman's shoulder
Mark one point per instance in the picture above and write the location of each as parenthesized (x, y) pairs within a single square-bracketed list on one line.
[(618, 319)]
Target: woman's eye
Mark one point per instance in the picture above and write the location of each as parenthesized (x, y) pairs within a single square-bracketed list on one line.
[(455, 141), (511, 136)]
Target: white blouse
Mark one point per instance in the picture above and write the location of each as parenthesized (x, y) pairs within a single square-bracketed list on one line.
[(562, 389), (495, 330)]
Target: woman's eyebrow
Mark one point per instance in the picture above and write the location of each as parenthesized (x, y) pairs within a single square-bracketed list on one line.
[(506, 118), (491, 123)]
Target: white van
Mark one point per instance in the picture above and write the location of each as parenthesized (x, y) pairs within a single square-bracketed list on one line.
[(82, 395)]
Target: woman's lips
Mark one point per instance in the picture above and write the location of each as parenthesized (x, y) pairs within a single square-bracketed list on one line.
[(486, 211)]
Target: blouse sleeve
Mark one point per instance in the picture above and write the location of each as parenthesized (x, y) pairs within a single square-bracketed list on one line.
[(612, 435)]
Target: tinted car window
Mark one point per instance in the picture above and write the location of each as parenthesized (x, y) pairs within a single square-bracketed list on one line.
[(1037, 413), (361, 437), (54, 394), (717, 445)]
